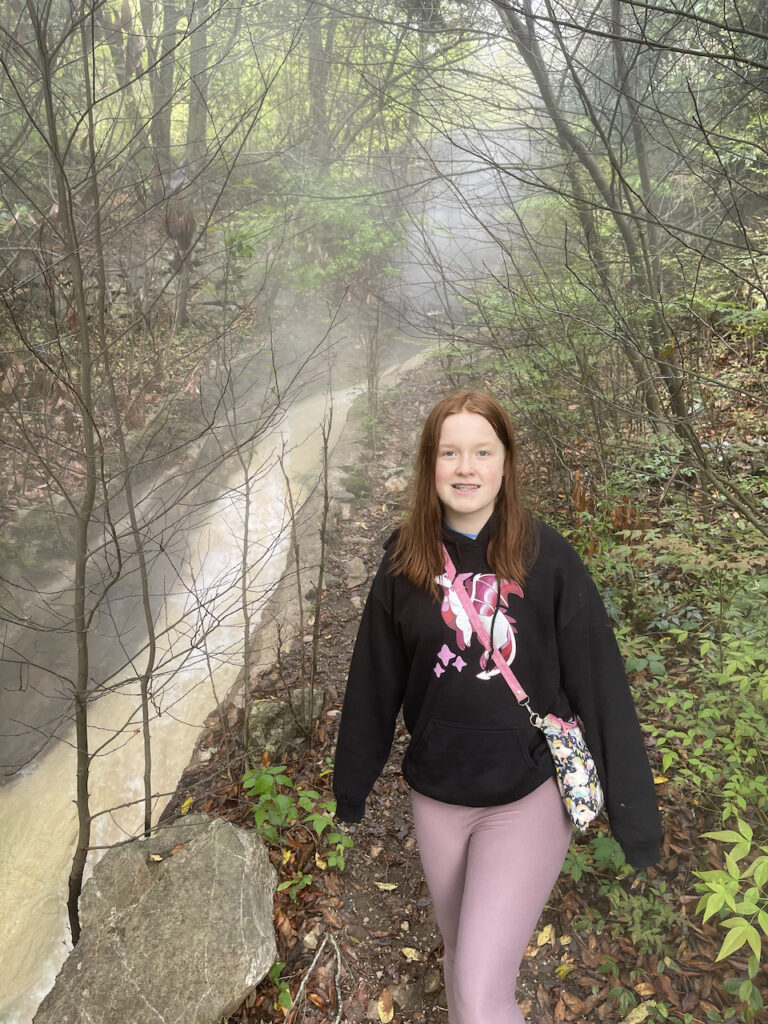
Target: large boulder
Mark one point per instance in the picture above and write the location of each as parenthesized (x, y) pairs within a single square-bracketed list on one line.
[(170, 932)]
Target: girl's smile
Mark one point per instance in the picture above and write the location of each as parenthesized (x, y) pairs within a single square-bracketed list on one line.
[(468, 470)]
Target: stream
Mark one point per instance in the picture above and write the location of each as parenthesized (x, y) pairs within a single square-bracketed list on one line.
[(37, 807)]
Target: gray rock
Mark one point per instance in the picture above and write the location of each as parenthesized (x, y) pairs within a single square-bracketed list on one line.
[(125, 871), (396, 485), (432, 981), (274, 725), (355, 572), (408, 996), (180, 940)]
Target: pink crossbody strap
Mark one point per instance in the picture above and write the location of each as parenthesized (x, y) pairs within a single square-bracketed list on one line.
[(481, 631)]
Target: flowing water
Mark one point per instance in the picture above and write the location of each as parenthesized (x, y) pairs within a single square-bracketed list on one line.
[(37, 808)]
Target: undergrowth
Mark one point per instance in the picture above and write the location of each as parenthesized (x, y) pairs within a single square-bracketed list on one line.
[(278, 807), (688, 596)]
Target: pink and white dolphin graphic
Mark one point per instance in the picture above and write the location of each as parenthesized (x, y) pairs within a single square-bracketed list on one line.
[(484, 595)]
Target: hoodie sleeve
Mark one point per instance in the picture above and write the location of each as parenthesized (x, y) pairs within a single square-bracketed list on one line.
[(594, 680), (374, 694)]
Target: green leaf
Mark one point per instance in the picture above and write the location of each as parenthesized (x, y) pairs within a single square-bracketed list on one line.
[(275, 971), (283, 802), (746, 907), (731, 866), (756, 998), (260, 784), (712, 904), (321, 823), (745, 990), (745, 829), (740, 850), (727, 836), (733, 941), (760, 870), (753, 938)]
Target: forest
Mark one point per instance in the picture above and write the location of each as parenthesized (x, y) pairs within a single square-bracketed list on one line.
[(221, 214)]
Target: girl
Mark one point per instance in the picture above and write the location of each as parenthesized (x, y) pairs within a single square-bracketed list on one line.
[(490, 823)]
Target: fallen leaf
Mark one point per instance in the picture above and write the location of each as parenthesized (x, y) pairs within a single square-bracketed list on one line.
[(332, 918), (546, 935), (585, 981), (563, 970), (660, 779), (187, 804), (410, 953), (598, 997), (322, 864), (155, 856), (386, 886), (284, 926), (361, 994), (542, 998), (639, 1014), (574, 1004), (666, 984), (645, 988), (385, 1007)]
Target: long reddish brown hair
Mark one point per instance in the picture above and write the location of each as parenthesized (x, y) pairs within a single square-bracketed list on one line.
[(418, 552)]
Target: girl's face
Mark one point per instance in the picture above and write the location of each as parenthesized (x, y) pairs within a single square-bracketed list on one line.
[(469, 470)]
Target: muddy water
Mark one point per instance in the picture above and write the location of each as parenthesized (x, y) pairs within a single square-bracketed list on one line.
[(37, 809)]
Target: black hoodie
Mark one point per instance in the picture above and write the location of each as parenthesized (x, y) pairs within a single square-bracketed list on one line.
[(471, 743)]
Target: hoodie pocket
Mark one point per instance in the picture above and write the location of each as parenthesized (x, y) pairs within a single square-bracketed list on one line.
[(476, 767)]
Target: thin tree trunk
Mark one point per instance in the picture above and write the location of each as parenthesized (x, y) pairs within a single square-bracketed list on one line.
[(82, 391), (125, 464), (326, 434)]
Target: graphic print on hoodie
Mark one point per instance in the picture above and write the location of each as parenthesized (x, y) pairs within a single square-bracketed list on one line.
[(490, 605)]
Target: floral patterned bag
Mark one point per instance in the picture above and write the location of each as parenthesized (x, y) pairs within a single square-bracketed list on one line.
[(575, 768)]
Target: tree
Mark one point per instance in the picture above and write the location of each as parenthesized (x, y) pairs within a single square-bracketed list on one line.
[(88, 410), (616, 128)]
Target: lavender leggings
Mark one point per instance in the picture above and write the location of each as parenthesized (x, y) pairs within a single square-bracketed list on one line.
[(489, 871)]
